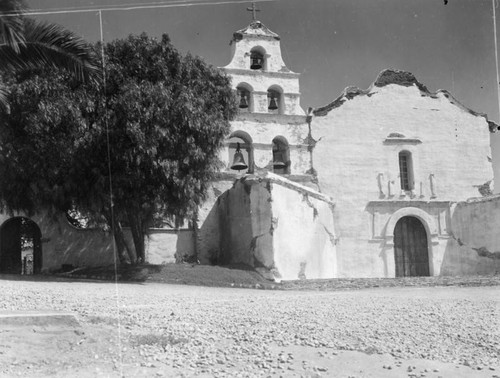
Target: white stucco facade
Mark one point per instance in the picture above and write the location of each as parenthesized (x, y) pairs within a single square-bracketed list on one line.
[(357, 162), (357, 143)]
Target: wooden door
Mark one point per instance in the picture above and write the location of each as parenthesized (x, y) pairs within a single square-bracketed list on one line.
[(411, 253)]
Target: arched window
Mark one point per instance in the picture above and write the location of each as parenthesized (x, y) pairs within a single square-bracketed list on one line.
[(281, 156), (406, 171), (244, 93), (240, 152), (274, 100), (257, 60)]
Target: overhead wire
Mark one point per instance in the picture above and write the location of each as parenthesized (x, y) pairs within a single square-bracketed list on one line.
[(129, 7), (112, 214)]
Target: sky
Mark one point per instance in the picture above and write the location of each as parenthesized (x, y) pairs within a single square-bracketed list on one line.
[(333, 44)]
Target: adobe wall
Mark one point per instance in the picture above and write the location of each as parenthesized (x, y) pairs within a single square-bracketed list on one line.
[(65, 244), (303, 235), (358, 164), (165, 246), (208, 233), (462, 238), (235, 222), (474, 246), (273, 223), (495, 157)]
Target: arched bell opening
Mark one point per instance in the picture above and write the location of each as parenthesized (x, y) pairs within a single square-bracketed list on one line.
[(20, 246), (275, 100), (281, 156), (245, 101), (257, 58), (411, 248), (240, 152)]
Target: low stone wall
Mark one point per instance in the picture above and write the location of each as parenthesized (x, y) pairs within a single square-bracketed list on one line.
[(65, 244), (165, 246)]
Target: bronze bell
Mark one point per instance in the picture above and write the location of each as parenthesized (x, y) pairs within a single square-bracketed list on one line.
[(238, 160), (272, 104), (278, 163), (278, 159), (243, 102), (256, 63)]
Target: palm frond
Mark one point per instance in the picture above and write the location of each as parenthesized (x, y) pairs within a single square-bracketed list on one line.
[(52, 45), (4, 103), (11, 23)]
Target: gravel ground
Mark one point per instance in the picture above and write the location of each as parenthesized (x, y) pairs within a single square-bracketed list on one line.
[(171, 330)]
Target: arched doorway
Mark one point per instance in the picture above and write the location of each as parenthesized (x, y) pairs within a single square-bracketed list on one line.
[(411, 252), (20, 246)]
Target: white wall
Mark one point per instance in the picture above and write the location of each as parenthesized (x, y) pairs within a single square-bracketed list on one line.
[(303, 236), (474, 246), (64, 244), (445, 139)]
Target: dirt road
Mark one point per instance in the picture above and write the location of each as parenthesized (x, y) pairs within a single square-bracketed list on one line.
[(148, 330)]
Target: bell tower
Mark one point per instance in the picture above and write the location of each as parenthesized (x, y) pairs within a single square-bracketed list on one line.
[(263, 82), (269, 134)]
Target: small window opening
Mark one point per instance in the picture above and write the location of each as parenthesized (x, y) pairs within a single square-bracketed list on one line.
[(406, 170)]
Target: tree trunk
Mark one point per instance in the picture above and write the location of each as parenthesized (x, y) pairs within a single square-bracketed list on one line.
[(137, 234), (120, 242), (122, 246)]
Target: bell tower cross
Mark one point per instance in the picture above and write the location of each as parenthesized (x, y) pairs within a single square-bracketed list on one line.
[(254, 11)]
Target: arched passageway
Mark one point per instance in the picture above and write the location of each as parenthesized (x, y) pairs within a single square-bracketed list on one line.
[(411, 250), (20, 246)]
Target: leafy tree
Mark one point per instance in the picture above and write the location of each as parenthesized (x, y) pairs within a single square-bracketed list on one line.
[(165, 116), (27, 44)]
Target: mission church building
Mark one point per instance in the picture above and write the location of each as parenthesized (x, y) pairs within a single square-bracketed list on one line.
[(391, 181), (392, 163)]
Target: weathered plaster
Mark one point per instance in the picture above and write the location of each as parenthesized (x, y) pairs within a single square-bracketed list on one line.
[(304, 239), (495, 157), (360, 135), (474, 238), (208, 233), (164, 246), (270, 222), (64, 244)]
